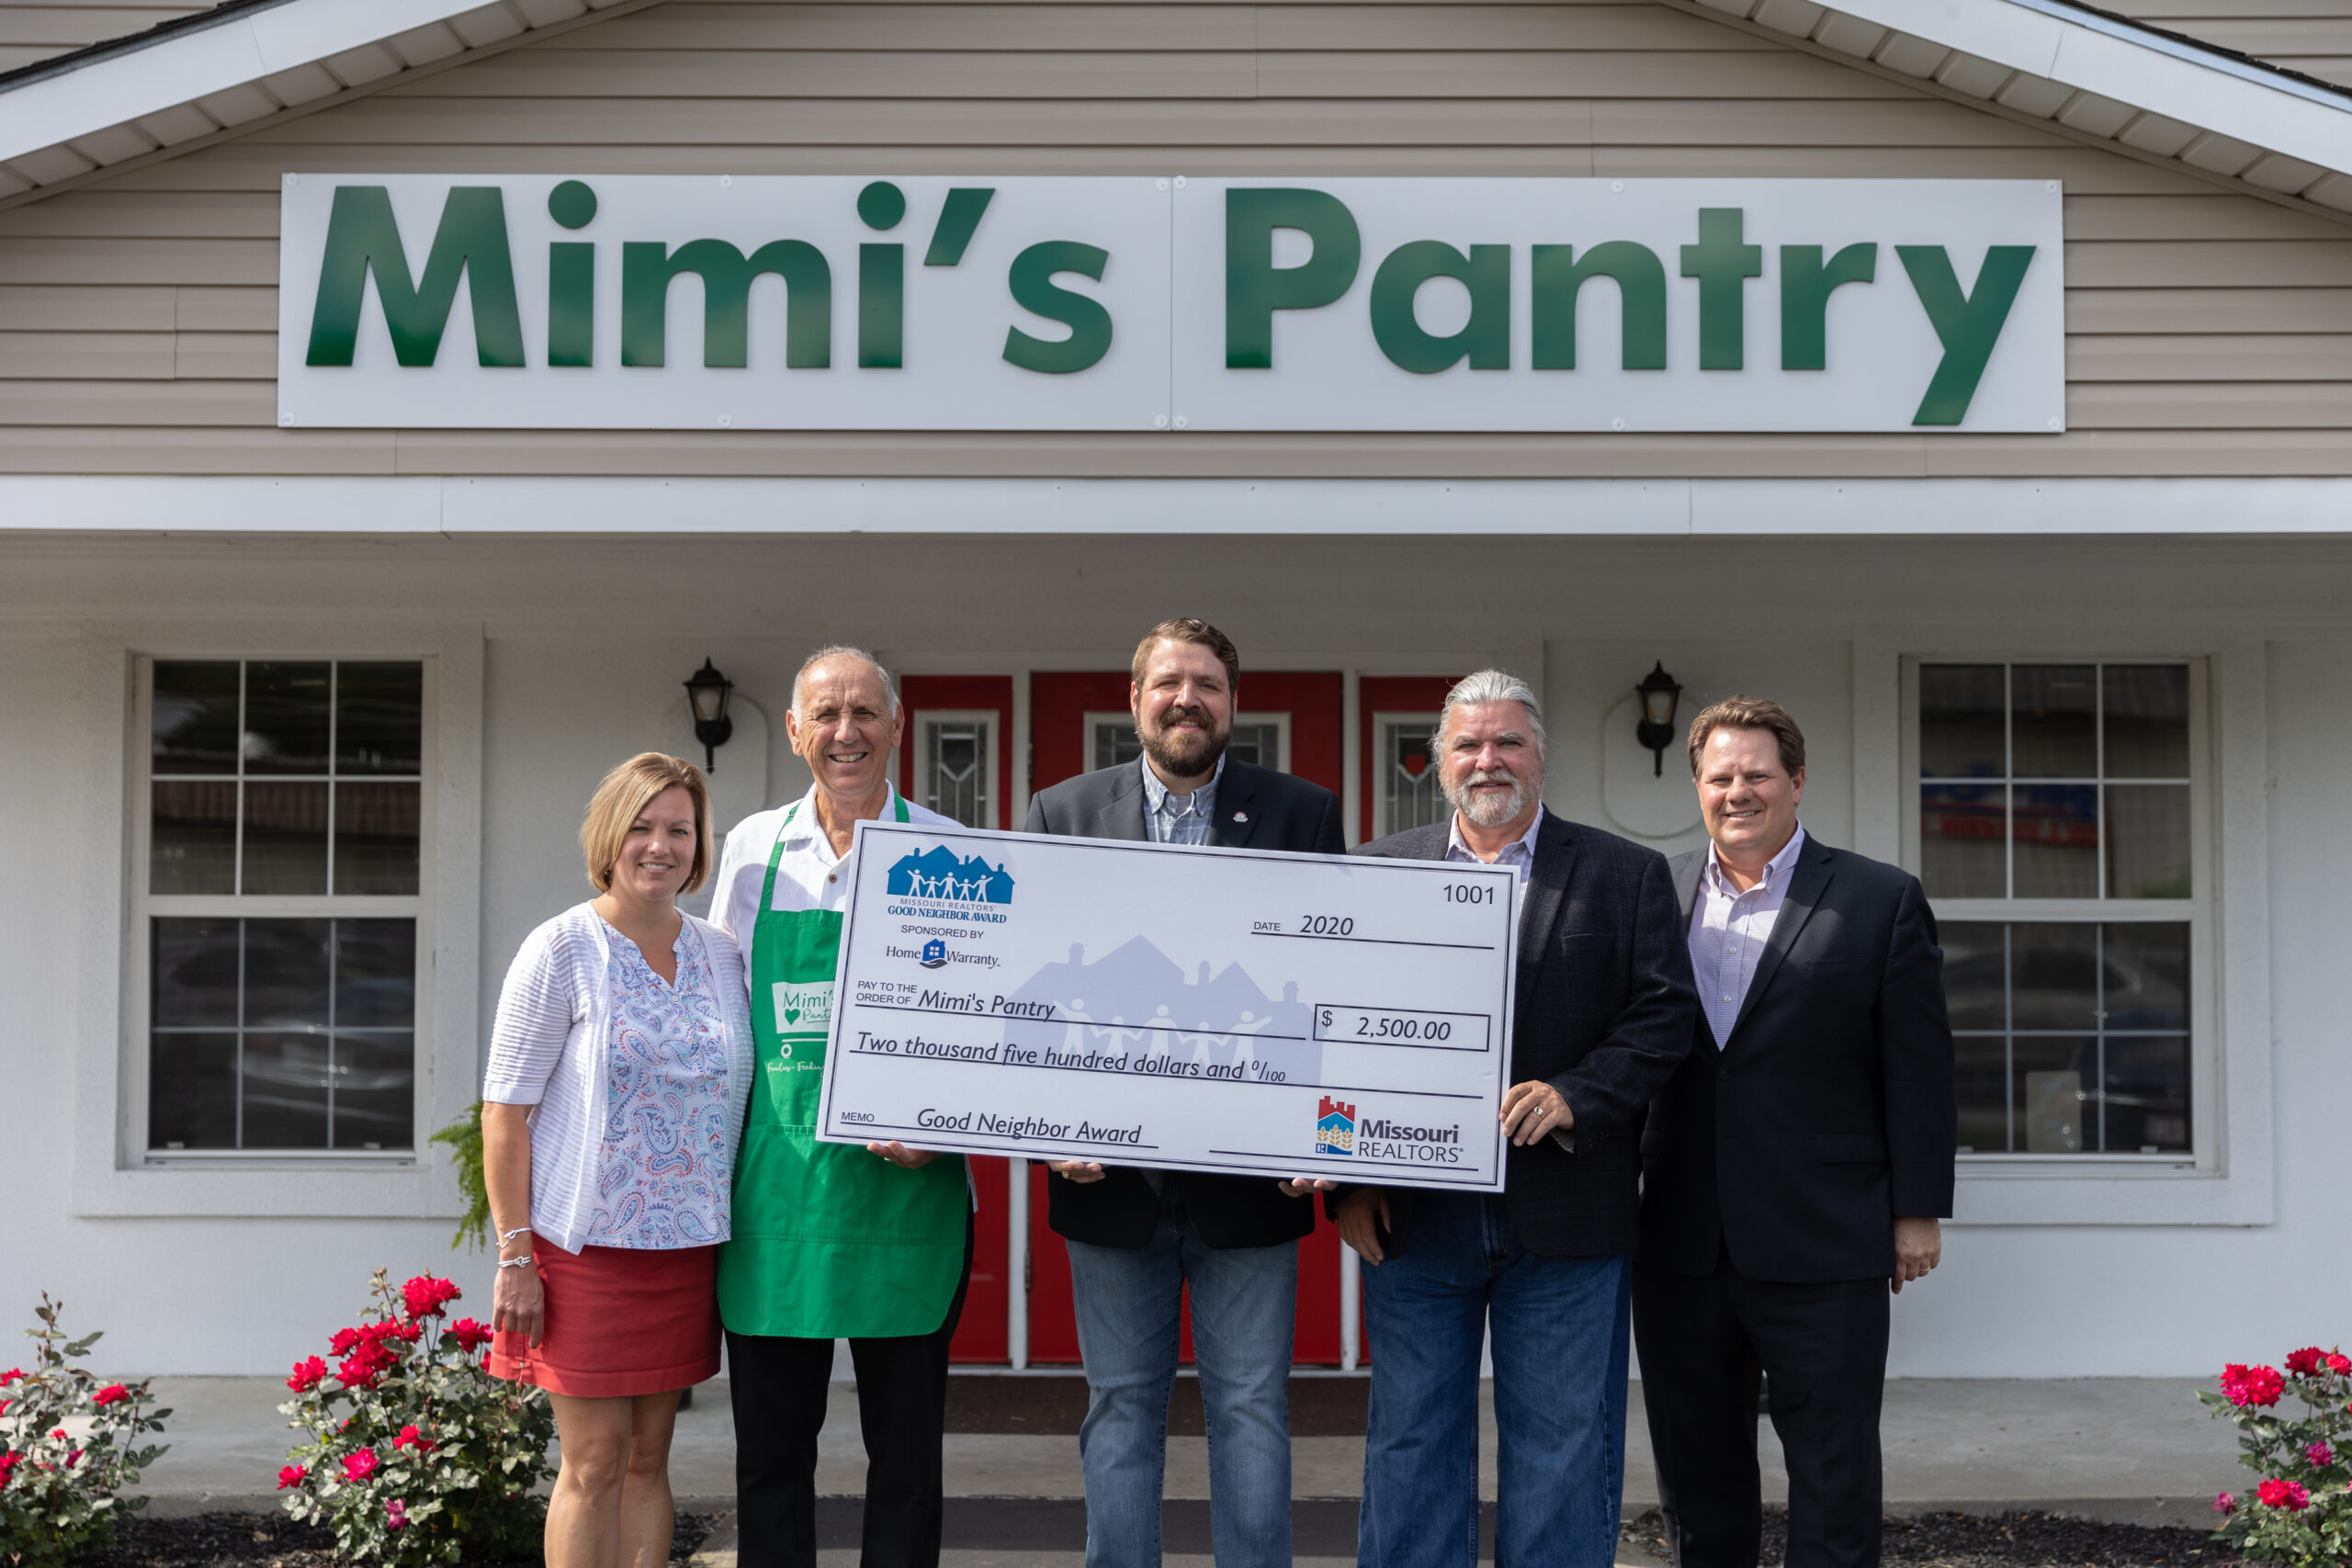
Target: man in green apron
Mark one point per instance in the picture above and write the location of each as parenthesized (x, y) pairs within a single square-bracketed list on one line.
[(830, 1241)]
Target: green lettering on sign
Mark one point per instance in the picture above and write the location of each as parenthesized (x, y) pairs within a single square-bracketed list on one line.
[(1640, 277), (1033, 289), (959, 218), (1806, 287), (572, 303), (648, 267), (1968, 325), (362, 237), (1723, 266), (1485, 339), (1255, 288), (881, 306)]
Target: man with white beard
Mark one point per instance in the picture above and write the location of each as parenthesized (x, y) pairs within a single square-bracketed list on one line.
[(1604, 1015)]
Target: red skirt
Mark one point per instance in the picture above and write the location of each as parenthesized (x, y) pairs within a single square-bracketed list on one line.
[(620, 1320)]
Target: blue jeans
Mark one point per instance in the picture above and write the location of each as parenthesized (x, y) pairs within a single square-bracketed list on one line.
[(1244, 1308), (1560, 1327)]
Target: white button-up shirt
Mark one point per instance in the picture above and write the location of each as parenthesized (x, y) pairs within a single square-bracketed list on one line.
[(1729, 929), (808, 874), (1518, 854)]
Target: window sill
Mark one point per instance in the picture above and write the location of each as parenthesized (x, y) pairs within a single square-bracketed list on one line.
[(403, 1189), (2104, 1190)]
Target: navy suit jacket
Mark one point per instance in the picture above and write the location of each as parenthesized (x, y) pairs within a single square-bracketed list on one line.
[(1257, 809), (1604, 1013), (1830, 1109)]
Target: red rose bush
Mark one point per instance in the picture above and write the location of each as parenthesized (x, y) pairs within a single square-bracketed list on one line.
[(412, 1451), (68, 1446), (2300, 1511)]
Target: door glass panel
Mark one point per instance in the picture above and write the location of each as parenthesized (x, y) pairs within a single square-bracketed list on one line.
[(956, 767), (1259, 745), (1409, 795)]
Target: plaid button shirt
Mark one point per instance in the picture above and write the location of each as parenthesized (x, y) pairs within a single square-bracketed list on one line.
[(1172, 818)]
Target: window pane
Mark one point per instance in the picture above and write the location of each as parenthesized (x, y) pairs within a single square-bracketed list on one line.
[(2147, 1094), (1115, 743), (1961, 726), (2053, 721), (379, 718), (2054, 1113), (2057, 841), (193, 848), (285, 1089), (1976, 978), (2147, 841), (1409, 778), (1982, 1061), (286, 838), (1260, 744), (194, 972), (1962, 848), (2146, 709), (287, 966), (374, 973), (196, 718), (2147, 976), (375, 836), (375, 1091), (957, 783), (286, 719), (192, 1091), (2053, 976)]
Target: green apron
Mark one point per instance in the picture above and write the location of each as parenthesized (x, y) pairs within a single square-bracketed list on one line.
[(827, 1241)]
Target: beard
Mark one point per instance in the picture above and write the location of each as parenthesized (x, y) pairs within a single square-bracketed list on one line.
[(1185, 755), (1486, 810)]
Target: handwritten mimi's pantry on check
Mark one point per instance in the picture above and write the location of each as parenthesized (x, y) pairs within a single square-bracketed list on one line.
[(400, 403)]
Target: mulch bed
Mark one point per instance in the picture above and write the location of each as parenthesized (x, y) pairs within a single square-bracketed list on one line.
[(2023, 1538), (273, 1540)]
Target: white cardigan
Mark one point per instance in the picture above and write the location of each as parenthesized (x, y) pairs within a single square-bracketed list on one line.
[(559, 989)]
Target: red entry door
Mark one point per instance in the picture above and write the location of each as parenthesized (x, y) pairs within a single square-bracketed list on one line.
[(1077, 722), (956, 758)]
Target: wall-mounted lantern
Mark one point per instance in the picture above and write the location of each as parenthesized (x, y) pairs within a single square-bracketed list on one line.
[(1659, 693), (707, 691)]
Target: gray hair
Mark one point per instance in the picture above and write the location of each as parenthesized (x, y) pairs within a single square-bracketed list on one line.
[(842, 650), (1493, 686)]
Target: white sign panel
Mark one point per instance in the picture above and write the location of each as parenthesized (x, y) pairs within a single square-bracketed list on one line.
[(1180, 1008), (1167, 303)]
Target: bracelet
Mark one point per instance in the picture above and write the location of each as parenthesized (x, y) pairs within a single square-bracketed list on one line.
[(513, 1262), (505, 1237)]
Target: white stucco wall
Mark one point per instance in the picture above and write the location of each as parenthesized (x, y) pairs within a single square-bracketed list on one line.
[(581, 645)]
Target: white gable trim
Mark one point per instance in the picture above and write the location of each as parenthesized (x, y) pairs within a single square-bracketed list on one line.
[(189, 85), (2100, 78)]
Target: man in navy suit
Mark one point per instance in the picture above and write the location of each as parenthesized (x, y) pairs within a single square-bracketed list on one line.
[(1795, 1166), (1604, 1015), (1137, 1238)]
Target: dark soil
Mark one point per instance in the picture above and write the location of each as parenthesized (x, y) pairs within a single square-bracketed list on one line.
[(273, 1540), (2023, 1538)]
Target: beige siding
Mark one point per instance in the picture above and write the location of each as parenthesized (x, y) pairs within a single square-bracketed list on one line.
[(2208, 334), (2313, 35), (29, 33)]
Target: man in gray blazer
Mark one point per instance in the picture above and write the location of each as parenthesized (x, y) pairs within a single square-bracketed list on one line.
[(1137, 1238)]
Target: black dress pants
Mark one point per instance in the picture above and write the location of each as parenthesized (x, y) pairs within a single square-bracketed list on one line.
[(1703, 1344), (779, 1386)]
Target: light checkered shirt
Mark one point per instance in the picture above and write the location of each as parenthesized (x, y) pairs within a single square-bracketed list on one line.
[(1172, 818)]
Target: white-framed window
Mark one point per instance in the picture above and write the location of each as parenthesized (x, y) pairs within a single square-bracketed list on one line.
[(1261, 738), (2058, 815), (281, 831), (1405, 772), (954, 764)]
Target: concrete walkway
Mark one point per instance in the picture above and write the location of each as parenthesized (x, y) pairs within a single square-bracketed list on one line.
[(2141, 1449)]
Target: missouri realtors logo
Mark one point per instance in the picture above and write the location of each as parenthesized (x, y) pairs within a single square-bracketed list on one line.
[(1335, 1128), (1603, 306)]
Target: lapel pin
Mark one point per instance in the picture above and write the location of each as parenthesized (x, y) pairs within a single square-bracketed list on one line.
[(1241, 816)]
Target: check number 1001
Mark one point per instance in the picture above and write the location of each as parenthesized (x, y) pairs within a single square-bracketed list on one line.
[(1338, 1023)]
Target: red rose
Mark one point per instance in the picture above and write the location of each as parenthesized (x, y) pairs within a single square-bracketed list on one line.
[(359, 1466), (2252, 1385), (2226, 1504), (2338, 1362), (2320, 1454), (2302, 1363), (426, 1296), (411, 1438), (292, 1475), (9, 1464), (345, 1341), (396, 1515), (2291, 1496), (59, 1434), (74, 1458), (307, 1373), (471, 1335), (14, 1374), (110, 1394)]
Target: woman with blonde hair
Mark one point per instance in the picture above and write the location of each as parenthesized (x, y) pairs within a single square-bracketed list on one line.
[(620, 1066)]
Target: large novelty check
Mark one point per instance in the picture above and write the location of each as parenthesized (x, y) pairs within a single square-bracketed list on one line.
[(1187, 1009)]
